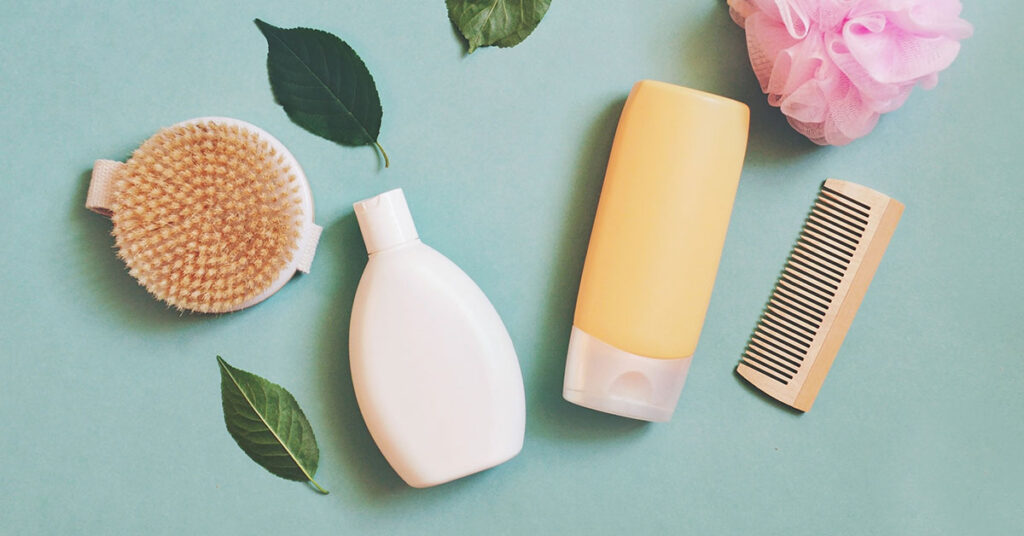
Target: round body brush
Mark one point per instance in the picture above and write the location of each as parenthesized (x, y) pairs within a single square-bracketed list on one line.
[(210, 215)]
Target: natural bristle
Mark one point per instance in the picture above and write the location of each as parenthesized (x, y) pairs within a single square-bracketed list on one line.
[(206, 215)]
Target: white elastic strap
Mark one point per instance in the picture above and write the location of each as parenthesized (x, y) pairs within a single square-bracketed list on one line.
[(307, 247), (101, 186)]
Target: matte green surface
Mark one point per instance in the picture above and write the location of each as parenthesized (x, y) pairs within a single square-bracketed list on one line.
[(110, 402)]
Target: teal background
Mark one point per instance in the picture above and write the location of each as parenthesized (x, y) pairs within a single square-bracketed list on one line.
[(110, 402)]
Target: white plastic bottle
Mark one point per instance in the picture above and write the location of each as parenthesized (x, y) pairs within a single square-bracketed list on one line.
[(435, 373)]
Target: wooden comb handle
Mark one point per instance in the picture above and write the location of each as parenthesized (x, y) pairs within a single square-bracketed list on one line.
[(818, 295)]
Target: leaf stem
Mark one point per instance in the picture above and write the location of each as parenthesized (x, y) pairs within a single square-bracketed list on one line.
[(318, 488), (387, 162)]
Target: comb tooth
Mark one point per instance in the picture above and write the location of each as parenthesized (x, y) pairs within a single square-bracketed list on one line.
[(853, 227), (782, 319), (753, 366), (831, 233), (790, 353), (849, 201), (777, 323), (806, 306), (811, 269), (802, 327), (820, 287), (783, 359), (853, 230), (823, 249), (836, 223), (782, 336), (857, 218), (795, 310), (812, 299), (807, 284), (804, 248), (829, 238), (783, 373), (780, 340), (826, 243), (810, 275), (822, 265), (752, 354)]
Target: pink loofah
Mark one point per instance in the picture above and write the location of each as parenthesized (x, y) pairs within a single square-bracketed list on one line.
[(834, 66)]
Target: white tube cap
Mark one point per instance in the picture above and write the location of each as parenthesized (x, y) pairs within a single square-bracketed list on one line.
[(602, 377), (385, 221)]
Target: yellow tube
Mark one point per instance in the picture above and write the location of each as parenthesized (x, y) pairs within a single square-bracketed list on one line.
[(654, 250)]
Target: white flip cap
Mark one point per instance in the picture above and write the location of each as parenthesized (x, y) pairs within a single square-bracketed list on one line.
[(602, 377), (385, 221)]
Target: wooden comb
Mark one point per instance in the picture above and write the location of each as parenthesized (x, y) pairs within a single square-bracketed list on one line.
[(819, 291)]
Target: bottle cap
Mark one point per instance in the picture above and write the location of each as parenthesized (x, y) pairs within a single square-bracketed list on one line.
[(385, 221), (602, 377)]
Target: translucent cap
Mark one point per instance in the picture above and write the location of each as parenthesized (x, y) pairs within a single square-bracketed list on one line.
[(602, 377), (385, 221)]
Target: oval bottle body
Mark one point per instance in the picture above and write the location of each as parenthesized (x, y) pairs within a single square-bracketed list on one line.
[(434, 369), (658, 234), (661, 220)]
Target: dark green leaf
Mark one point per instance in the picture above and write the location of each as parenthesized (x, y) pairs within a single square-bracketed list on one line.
[(504, 23), (268, 425), (323, 85)]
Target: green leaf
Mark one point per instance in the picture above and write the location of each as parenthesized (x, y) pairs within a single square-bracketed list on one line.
[(323, 85), (504, 23), (268, 425)]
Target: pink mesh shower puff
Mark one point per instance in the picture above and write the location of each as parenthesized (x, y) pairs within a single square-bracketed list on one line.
[(834, 66)]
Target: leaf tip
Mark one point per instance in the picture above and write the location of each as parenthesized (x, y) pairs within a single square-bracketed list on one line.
[(263, 26)]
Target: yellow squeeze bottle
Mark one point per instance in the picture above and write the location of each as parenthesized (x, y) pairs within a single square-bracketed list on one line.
[(654, 250)]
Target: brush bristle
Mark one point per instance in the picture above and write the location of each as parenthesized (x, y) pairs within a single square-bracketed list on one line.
[(206, 215)]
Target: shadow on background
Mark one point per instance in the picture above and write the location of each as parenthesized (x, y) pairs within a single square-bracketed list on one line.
[(107, 279), (714, 58), (548, 414), (346, 430)]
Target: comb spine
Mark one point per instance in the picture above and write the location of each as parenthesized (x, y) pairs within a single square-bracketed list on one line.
[(774, 389), (862, 273)]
